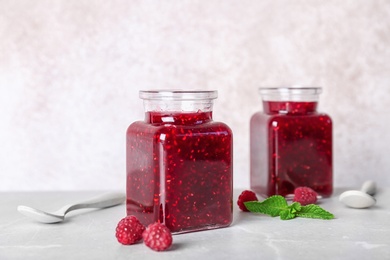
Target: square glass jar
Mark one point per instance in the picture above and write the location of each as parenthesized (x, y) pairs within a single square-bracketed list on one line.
[(179, 163), (290, 143)]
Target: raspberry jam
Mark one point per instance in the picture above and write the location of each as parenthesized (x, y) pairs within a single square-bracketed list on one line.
[(291, 143), (179, 165)]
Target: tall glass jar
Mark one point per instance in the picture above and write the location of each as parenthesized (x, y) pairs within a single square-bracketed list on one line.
[(290, 143), (179, 163)]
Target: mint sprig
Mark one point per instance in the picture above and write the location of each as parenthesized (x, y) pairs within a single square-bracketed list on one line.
[(314, 211), (277, 206)]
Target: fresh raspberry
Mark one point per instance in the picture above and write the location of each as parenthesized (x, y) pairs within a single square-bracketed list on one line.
[(129, 230), (245, 196), (157, 236), (305, 196)]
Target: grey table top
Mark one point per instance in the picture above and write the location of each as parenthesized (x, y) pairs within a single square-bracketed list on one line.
[(90, 234)]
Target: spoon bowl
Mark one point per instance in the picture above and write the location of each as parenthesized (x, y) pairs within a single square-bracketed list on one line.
[(102, 201), (360, 198), (357, 199)]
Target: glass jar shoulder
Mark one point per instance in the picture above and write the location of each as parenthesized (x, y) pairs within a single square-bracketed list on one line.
[(219, 127), (141, 128), (262, 118)]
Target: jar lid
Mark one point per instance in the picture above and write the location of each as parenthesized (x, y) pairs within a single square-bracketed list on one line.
[(178, 94), (290, 93)]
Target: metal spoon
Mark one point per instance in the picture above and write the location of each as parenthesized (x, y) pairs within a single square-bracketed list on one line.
[(360, 199), (102, 201)]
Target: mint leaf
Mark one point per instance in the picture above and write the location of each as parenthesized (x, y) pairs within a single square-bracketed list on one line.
[(286, 214), (295, 207), (271, 206), (314, 211), (291, 211), (277, 206)]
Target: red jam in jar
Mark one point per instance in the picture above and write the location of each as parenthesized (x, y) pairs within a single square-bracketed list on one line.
[(290, 143), (179, 163)]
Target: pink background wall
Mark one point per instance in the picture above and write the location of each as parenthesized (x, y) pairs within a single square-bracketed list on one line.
[(70, 72)]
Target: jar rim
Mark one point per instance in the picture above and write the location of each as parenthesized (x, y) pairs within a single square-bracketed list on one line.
[(290, 89), (290, 93), (178, 94)]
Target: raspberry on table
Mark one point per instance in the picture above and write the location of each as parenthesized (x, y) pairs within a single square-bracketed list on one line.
[(245, 196), (157, 237), (305, 196), (129, 230)]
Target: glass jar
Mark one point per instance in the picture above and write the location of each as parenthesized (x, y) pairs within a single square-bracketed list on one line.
[(179, 163), (290, 143)]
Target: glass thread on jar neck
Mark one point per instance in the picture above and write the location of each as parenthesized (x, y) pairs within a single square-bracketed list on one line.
[(293, 93), (178, 100)]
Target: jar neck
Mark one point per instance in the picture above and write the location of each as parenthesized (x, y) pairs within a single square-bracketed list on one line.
[(292, 100), (178, 107), (178, 118), (290, 107)]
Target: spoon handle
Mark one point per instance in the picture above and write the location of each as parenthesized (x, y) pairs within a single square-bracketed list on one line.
[(369, 187), (102, 201)]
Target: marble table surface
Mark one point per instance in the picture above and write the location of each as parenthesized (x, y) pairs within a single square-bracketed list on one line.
[(90, 234)]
